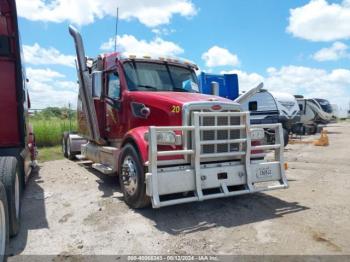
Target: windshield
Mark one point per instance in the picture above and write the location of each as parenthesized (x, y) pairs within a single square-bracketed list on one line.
[(144, 76), (326, 106)]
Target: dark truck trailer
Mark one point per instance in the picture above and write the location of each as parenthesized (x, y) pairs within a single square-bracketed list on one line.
[(17, 143)]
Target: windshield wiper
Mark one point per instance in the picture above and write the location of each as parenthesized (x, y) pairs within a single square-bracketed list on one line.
[(180, 89), (148, 86)]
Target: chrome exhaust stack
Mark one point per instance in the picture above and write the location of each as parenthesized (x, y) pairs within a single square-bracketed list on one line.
[(214, 88), (85, 90)]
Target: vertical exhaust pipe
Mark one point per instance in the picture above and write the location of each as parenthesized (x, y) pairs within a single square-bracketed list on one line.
[(214, 88), (85, 88)]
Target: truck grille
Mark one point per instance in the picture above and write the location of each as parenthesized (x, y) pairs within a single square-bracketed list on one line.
[(210, 135), (219, 134)]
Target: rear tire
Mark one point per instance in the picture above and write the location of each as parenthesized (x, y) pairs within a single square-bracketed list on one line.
[(10, 177), (64, 144), (70, 154), (21, 163), (132, 178), (66, 147), (285, 137), (4, 224)]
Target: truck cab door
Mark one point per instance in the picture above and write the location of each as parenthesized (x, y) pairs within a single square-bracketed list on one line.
[(113, 106)]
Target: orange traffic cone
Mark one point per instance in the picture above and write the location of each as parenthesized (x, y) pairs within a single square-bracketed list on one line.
[(323, 140)]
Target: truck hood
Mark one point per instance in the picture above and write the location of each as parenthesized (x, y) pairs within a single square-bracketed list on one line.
[(176, 98), (166, 107)]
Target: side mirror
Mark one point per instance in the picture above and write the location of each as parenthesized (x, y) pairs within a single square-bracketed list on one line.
[(97, 83), (190, 85)]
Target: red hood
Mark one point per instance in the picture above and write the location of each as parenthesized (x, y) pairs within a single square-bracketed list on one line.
[(166, 107), (176, 98)]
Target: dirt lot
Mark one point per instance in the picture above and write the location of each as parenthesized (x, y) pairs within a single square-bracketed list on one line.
[(70, 209)]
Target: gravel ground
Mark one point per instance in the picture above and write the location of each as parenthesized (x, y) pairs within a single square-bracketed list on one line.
[(70, 209)]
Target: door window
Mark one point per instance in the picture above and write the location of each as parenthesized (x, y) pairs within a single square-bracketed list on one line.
[(253, 106), (113, 85)]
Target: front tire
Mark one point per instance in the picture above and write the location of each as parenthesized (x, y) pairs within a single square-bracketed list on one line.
[(10, 177), (4, 223), (132, 178)]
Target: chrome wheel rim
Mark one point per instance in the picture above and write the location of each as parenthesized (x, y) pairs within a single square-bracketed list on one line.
[(17, 195), (129, 175), (2, 230)]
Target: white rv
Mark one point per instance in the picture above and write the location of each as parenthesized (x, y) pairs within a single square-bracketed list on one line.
[(314, 112), (263, 108), (288, 109), (273, 107)]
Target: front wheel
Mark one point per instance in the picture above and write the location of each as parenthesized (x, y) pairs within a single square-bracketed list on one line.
[(132, 178), (4, 223)]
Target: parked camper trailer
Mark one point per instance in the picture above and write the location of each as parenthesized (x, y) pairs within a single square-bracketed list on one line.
[(289, 113), (314, 112), (272, 107), (263, 108)]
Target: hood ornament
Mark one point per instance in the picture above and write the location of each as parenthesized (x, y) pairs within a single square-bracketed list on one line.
[(213, 99)]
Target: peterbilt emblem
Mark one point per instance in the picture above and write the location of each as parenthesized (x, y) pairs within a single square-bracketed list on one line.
[(216, 107)]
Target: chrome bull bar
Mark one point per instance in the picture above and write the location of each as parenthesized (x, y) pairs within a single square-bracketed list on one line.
[(195, 175)]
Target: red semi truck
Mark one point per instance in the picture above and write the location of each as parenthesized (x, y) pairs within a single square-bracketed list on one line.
[(17, 145), (142, 118)]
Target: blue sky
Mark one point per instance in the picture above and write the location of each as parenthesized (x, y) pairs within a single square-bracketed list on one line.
[(296, 46)]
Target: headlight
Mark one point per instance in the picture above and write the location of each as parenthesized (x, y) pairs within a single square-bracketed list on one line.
[(166, 138), (257, 134)]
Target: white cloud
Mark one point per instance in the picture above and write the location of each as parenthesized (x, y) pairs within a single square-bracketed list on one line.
[(163, 31), (151, 12), (50, 88), (218, 56), (42, 75), (130, 44), (37, 55), (311, 82), (321, 21), (337, 51)]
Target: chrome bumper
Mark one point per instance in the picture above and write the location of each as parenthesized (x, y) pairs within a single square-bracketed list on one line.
[(241, 175)]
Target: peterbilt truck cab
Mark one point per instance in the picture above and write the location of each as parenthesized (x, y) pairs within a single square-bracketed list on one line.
[(145, 121)]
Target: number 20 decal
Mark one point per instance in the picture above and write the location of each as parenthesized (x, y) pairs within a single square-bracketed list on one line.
[(175, 109)]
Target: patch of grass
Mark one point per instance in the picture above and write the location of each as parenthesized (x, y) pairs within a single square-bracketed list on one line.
[(50, 153), (48, 132)]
